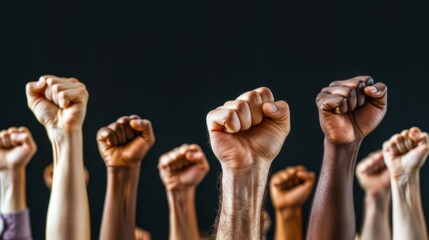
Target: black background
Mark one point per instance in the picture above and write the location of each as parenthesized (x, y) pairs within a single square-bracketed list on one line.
[(172, 62)]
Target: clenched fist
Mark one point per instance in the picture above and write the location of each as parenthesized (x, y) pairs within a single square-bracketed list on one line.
[(290, 188), (349, 110), (17, 147), (248, 130), (183, 167), (125, 142), (58, 103), (372, 174), (405, 153)]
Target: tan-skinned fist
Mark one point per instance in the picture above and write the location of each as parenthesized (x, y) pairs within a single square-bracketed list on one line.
[(405, 153), (183, 167), (125, 142), (291, 187), (249, 130), (17, 147), (351, 109), (58, 103), (372, 174)]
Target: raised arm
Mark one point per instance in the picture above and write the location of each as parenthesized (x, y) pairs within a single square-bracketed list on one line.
[(123, 144), (289, 190), (374, 178), (17, 147), (404, 155), (60, 105), (181, 170), (246, 134), (348, 111)]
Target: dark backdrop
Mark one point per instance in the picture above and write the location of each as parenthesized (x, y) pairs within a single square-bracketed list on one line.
[(172, 62)]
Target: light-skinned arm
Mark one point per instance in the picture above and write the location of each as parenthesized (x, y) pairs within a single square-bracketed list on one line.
[(123, 144), (59, 104), (246, 134), (181, 170), (404, 155), (290, 189), (374, 179), (348, 111), (17, 147)]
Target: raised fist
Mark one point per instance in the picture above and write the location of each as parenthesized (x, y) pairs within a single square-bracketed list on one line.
[(349, 110), (291, 187), (48, 175), (17, 147), (249, 129), (405, 153), (183, 167), (372, 174), (58, 103), (125, 142)]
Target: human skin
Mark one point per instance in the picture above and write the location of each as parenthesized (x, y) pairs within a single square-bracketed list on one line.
[(246, 134), (48, 174), (404, 155), (122, 145), (289, 190), (374, 179), (17, 147), (59, 104), (348, 111), (181, 170)]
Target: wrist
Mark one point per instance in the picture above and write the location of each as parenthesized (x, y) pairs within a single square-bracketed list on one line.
[(289, 213), (377, 201), (61, 134), (405, 180), (12, 196), (182, 197)]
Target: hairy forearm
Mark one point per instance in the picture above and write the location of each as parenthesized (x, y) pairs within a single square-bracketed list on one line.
[(332, 215), (288, 224), (183, 218), (241, 206), (376, 217), (12, 195), (408, 217), (68, 212), (120, 204)]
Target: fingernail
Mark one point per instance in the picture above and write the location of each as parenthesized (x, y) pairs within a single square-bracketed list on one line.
[(272, 108), (372, 89)]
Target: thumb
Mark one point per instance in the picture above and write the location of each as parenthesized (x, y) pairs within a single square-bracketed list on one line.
[(377, 94), (278, 112), (34, 90)]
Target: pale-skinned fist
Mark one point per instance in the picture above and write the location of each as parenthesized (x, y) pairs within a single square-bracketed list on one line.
[(291, 187), (183, 167), (373, 175), (58, 103), (351, 109), (125, 142), (17, 147), (249, 130), (405, 153)]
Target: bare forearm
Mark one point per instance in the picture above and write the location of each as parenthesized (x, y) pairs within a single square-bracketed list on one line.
[(68, 212), (332, 215), (241, 208), (120, 204), (376, 217), (408, 217), (183, 218), (12, 195), (288, 224)]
